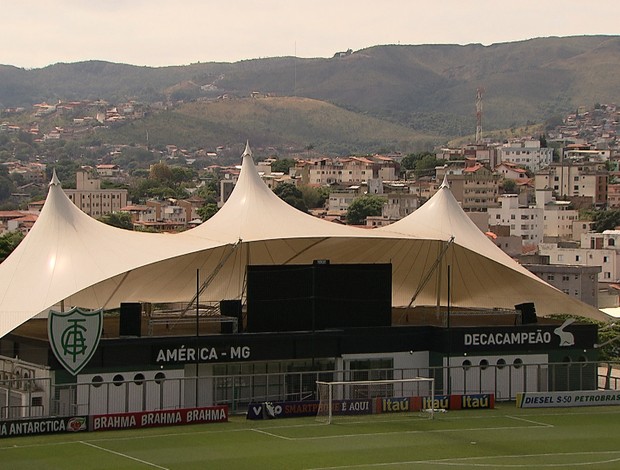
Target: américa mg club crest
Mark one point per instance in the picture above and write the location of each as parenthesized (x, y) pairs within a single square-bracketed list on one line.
[(74, 336)]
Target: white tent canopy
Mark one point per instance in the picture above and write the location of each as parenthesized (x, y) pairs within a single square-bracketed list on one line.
[(67, 252), (481, 274), (71, 258)]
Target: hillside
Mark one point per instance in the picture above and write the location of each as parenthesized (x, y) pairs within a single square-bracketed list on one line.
[(287, 124), (430, 88)]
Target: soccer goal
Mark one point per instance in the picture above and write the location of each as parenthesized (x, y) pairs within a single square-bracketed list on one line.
[(375, 396)]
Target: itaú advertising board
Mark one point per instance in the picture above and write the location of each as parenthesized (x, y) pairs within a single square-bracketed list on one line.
[(148, 419), (272, 410), (568, 399)]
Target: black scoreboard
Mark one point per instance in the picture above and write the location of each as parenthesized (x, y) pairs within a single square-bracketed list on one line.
[(318, 296)]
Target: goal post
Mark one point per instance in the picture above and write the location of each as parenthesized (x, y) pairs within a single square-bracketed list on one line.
[(372, 396)]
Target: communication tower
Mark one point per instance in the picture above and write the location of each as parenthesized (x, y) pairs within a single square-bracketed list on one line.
[(479, 93)]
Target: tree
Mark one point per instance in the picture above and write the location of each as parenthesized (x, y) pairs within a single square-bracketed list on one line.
[(161, 172), (314, 197), (207, 211), (408, 162), (118, 219), (180, 174), (426, 165), (290, 194), (606, 220), (543, 140), (8, 242), (362, 207), (509, 186), (282, 166)]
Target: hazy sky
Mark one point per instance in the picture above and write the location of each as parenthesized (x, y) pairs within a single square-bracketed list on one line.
[(36, 33)]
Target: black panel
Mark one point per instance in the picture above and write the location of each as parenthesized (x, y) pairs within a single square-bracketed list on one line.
[(319, 296), (131, 316), (232, 308), (528, 313)]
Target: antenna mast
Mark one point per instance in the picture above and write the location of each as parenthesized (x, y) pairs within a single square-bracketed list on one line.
[(479, 93)]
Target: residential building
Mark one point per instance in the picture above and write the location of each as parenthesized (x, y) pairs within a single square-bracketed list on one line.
[(512, 171), (93, 200), (340, 199), (108, 170), (613, 196), (558, 216), (588, 253), (475, 187), (524, 222), (548, 218), (572, 179), (351, 170), (528, 154), (577, 281)]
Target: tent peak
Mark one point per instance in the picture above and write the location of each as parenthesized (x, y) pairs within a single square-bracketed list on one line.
[(55, 181), (247, 152), (445, 183)]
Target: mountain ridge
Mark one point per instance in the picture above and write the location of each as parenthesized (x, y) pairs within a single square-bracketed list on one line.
[(428, 88)]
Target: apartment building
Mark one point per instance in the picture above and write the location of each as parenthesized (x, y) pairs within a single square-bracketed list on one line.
[(547, 218), (475, 187), (528, 154), (594, 249), (579, 282), (93, 200), (524, 222), (575, 179), (351, 170)]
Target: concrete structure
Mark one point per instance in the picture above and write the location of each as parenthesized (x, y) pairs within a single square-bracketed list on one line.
[(571, 179), (93, 200), (525, 222), (580, 282), (528, 154), (594, 250), (475, 187), (548, 218)]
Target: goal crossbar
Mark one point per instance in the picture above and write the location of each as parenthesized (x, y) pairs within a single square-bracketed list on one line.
[(326, 393)]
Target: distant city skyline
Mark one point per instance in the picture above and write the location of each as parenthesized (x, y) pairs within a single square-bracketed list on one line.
[(156, 33)]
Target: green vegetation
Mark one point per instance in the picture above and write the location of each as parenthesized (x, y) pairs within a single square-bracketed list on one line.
[(499, 438), (8, 242), (291, 195), (429, 88), (422, 164), (364, 206), (118, 219), (606, 220)]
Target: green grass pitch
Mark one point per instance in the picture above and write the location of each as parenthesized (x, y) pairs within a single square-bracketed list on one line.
[(505, 437)]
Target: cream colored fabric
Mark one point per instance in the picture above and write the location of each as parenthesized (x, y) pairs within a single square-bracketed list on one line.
[(70, 257)]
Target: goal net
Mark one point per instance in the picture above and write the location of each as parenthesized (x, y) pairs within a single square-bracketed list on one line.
[(375, 396)]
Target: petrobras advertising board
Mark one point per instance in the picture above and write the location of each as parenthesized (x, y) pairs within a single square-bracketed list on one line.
[(568, 399)]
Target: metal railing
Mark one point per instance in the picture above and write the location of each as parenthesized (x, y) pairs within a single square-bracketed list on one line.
[(21, 398)]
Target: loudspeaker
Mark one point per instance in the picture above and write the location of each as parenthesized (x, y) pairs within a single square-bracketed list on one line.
[(130, 319), (528, 313), (231, 308)]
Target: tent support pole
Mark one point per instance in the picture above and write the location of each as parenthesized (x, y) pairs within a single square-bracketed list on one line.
[(208, 281), (304, 250), (428, 275), (115, 290)]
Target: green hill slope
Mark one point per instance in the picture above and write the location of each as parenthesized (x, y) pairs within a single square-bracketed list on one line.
[(287, 124), (431, 88)]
